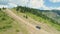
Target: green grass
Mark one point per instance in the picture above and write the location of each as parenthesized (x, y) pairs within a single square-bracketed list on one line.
[(48, 22), (10, 26), (5, 21), (40, 19), (19, 27)]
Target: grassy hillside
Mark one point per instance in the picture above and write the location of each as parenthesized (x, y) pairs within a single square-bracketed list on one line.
[(54, 15), (46, 16), (10, 26), (5, 21)]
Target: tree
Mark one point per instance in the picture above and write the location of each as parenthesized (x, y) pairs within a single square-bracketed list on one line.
[(26, 16), (4, 8), (0, 9)]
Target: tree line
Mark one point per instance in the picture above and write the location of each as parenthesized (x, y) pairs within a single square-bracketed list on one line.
[(35, 12)]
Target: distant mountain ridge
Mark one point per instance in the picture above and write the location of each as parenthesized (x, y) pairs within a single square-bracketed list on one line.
[(54, 14)]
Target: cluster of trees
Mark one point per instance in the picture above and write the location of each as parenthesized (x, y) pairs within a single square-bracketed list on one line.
[(35, 12), (2, 8)]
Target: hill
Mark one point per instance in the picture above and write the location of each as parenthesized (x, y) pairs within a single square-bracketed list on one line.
[(50, 17), (24, 20), (10, 26)]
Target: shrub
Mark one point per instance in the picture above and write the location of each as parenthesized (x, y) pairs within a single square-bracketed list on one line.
[(17, 30)]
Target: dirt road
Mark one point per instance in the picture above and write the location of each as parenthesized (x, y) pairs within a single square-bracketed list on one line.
[(41, 24), (32, 27)]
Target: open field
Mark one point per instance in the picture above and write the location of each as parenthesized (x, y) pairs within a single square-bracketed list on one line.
[(10, 26), (49, 26), (13, 22), (40, 19), (29, 25)]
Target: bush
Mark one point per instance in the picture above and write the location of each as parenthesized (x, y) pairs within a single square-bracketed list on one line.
[(26, 16), (3, 18), (0, 9), (17, 30)]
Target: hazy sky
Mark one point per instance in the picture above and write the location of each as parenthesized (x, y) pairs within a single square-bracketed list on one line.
[(39, 4)]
